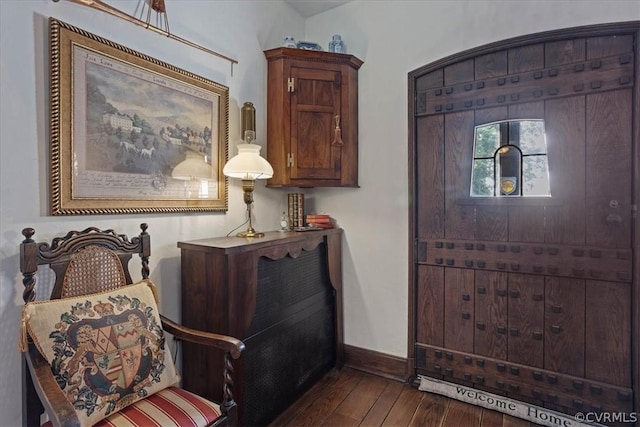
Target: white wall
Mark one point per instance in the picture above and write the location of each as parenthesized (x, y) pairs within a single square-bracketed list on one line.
[(239, 29), (392, 37)]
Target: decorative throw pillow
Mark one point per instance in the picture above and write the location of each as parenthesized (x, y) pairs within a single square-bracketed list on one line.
[(106, 350)]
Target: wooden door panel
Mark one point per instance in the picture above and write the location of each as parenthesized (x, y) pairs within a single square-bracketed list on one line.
[(459, 218), (565, 128), (430, 307), (608, 207), (564, 52), (608, 320), (459, 72), (491, 65), (599, 47), (564, 334), (491, 314), (315, 102), (458, 311), (430, 200), (526, 319), (558, 312), (526, 58)]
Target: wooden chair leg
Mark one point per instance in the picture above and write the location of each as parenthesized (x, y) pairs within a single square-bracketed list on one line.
[(32, 408)]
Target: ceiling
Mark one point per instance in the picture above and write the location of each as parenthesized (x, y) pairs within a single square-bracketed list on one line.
[(308, 8)]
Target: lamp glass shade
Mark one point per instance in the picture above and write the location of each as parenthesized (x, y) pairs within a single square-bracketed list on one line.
[(248, 164), (193, 166)]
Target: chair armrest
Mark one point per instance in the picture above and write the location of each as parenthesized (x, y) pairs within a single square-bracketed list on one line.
[(56, 405), (224, 342)]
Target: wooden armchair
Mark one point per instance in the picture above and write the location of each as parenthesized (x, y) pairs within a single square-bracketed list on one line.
[(95, 262)]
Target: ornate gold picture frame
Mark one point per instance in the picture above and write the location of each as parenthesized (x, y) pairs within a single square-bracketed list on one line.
[(131, 134)]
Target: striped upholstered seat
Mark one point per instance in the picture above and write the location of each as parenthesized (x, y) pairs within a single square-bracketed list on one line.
[(171, 407)]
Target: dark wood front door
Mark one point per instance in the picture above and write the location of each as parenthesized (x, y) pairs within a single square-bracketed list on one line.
[(530, 297)]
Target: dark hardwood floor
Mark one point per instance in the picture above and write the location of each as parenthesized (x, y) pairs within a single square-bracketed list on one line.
[(353, 398)]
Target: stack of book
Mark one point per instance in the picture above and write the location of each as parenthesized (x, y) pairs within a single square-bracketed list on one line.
[(323, 221), (296, 210)]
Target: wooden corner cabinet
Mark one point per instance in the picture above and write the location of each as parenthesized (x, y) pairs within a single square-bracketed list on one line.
[(312, 118), (282, 296)]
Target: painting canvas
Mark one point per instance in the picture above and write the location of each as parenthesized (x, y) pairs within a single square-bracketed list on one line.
[(131, 134)]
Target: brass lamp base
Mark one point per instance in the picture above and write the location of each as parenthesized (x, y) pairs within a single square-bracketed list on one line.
[(250, 233), (247, 187)]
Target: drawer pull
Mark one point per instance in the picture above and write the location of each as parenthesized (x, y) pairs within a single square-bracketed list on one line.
[(556, 329), (466, 315), (555, 308), (482, 290), (480, 325), (537, 335), (501, 292), (466, 297)]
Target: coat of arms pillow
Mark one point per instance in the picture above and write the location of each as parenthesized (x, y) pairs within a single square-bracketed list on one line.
[(106, 350)]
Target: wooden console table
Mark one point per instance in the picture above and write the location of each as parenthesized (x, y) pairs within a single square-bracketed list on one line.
[(282, 295)]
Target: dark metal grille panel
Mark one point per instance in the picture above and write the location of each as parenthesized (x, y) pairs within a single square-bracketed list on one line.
[(291, 341), (287, 282)]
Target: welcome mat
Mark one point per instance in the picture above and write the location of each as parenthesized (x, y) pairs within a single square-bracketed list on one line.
[(494, 402)]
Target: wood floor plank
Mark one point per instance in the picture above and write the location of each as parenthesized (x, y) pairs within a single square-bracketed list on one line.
[(358, 403), (328, 400), (307, 399), (461, 414), (383, 405), (509, 421), (402, 411), (348, 397), (431, 410), (491, 419)]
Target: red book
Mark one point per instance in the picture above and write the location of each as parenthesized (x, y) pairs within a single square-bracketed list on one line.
[(323, 226), (318, 216), (321, 220)]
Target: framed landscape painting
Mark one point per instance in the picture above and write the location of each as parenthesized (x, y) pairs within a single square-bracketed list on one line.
[(131, 134)]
